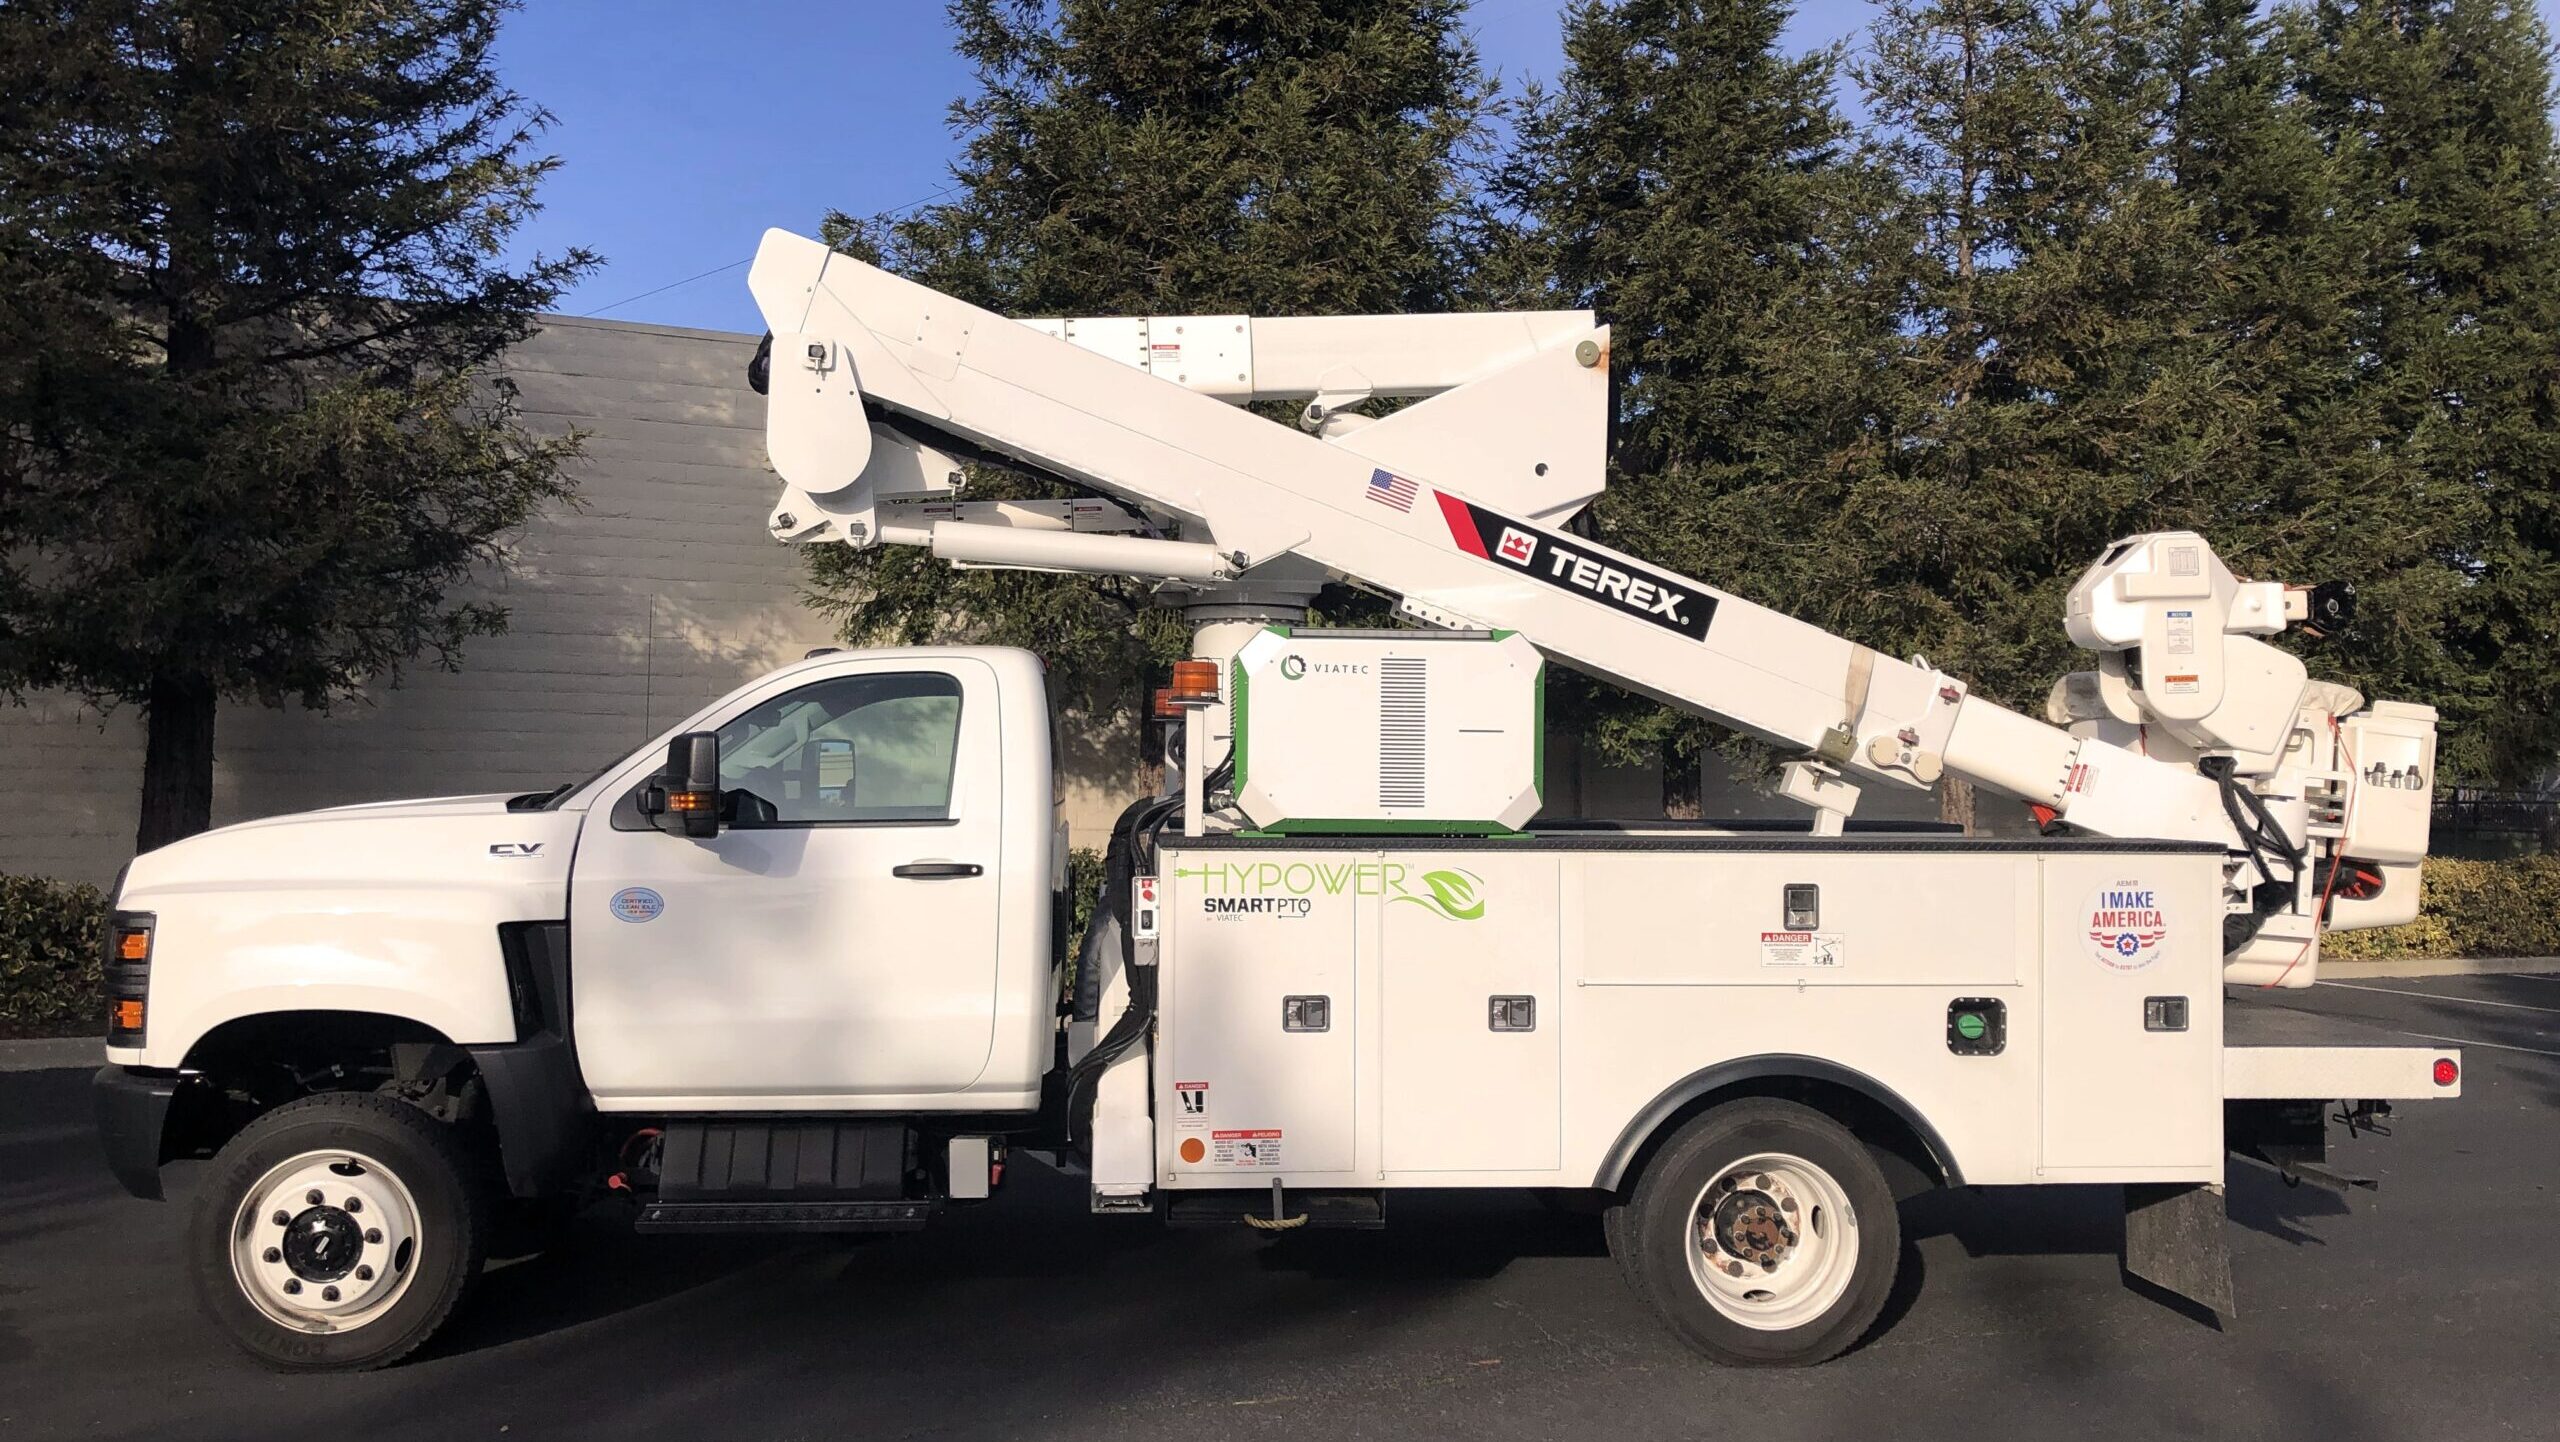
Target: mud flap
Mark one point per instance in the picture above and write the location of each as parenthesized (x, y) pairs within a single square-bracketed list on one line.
[(2175, 1238)]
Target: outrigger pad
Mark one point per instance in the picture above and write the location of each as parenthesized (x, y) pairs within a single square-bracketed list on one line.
[(2176, 1238)]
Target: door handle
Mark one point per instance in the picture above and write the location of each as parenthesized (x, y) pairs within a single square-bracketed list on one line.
[(937, 870)]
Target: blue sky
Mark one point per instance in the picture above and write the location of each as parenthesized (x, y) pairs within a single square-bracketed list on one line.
[(684, 130)]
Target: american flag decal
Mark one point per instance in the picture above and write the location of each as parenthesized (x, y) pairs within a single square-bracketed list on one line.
[(1389, 489)]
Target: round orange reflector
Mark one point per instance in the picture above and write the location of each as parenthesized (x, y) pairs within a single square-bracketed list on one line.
[(1192, 1150)]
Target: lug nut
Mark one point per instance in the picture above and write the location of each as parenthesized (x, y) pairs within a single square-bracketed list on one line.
[(1787, 1203), (273, 1256), (292, 1288), (364, 1274), (328, 1294), (355, 1204), (373, 1235)]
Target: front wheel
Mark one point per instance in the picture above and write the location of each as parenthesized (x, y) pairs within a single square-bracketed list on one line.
[(1764, 1234), (337, 1232)]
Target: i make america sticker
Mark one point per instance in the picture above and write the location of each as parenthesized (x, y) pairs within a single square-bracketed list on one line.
[(2126, 927)]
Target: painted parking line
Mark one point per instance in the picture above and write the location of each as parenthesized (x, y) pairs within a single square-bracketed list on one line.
[(2441, 996), (2491, 1045)]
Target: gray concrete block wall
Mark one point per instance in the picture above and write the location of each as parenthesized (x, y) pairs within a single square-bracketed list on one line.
[(658, 593)]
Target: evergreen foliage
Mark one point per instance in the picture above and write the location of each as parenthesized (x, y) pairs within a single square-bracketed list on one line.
[(250, 297)]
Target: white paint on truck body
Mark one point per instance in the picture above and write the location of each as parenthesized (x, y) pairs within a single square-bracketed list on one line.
[(391, 909), (1644, 962), (776, 968)]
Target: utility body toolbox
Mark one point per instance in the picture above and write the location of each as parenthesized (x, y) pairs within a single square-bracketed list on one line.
[(1511, 1011)]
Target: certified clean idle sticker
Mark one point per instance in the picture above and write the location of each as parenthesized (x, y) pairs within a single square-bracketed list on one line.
[(1799, 948), (2127, 928), (636, 903)]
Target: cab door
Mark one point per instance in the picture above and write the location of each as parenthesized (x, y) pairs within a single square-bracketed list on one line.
[(837, 942)]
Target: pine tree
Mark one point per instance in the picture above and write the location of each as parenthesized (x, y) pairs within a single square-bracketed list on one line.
[(2435, 118), (2062, 391), (250, 296), (1218, 157), (1694, 184)]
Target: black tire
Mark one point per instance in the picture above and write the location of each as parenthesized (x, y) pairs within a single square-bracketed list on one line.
[(1653, 1236), (450, 1226)]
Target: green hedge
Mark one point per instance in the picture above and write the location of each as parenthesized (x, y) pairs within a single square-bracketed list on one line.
[(51, 935), (2469, 908), (1084, 890)]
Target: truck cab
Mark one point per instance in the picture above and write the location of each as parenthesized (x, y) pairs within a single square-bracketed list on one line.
[(871, 932)]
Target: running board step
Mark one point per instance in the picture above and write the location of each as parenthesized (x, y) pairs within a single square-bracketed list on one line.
[(743, 1217)]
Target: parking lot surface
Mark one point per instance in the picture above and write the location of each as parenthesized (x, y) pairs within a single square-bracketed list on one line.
[(2426, 1310)]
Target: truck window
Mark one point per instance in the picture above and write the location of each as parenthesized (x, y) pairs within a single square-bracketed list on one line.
[(849, 749)]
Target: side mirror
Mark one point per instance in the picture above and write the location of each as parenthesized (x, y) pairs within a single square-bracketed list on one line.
[(684, 798)]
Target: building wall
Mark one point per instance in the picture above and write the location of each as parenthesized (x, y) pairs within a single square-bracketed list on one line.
[(658, 592)]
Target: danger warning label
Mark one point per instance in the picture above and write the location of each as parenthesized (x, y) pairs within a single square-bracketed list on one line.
[(1258, 1147), (1799, 948)]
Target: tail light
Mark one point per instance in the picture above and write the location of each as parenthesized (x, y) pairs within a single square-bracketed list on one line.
[(128, 974), (2448, 1071)]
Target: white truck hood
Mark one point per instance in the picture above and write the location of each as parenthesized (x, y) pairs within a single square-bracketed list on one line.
[(437, 843)]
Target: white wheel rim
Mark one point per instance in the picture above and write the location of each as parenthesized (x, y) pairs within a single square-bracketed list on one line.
[(326, 1241), (1772, 1242)]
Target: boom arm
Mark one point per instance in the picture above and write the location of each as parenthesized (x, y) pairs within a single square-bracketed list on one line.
[(879, 385)]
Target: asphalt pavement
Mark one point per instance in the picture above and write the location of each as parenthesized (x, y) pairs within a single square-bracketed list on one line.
[(2426, 1310)]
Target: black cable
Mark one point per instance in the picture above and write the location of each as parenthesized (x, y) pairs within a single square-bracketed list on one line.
[(2260, 834), (1138, 1020)]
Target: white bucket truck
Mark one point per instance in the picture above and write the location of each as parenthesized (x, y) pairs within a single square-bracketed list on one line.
[(799, 965)]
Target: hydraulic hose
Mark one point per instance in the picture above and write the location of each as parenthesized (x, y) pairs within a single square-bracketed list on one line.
[(1146, 821), (2261, 835)]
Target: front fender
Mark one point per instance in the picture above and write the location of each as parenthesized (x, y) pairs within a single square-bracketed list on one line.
[(392, 911)]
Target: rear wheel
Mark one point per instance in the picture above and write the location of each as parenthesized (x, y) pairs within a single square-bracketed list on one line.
[(337, 1232), (1764, 1234)]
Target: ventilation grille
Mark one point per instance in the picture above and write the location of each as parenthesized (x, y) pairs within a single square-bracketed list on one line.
[(1400, 731)]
